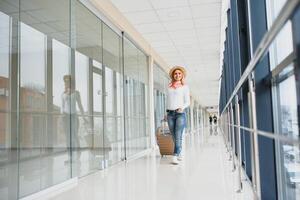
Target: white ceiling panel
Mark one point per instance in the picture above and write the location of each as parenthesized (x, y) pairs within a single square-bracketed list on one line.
[(166, 48), (183, 32), (158, 4), (179, 25), (174, 14), (206, 10), (159, 44), (197, 2), (150, 28), (207, 22), (156, 37), (134, 5), (142, 17)]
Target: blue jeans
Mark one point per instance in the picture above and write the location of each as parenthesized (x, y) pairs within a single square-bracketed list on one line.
[(177, 123)]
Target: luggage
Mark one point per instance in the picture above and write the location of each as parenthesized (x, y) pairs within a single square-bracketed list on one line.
[(165, 140)]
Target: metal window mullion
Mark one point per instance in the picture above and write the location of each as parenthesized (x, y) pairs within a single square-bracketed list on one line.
[(104, 95), (229, 133), (125, 102), (237, 110), (233, 137), (14, 99), (49, 91)]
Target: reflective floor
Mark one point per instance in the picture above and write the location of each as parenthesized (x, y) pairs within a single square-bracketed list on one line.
[(205, 173)]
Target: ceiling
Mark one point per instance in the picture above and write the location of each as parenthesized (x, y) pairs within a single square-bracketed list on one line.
[(183, 32)]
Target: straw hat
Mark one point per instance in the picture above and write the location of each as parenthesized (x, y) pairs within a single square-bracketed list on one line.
[(177, 68)]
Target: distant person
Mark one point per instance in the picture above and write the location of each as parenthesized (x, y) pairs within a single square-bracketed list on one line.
[(178, 100), (210, 124), (210, 120), (215, 120)]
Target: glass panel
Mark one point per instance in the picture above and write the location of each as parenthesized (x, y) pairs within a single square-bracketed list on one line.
[(110, 91), (50, 17), (285, 110), (44, 60), (113, 94), (8, 134), (161, 81), (79, 113), (32, 108), (282, 46), (97, 93), (136, 70), (87, 125), (58, 121), (288, 158)]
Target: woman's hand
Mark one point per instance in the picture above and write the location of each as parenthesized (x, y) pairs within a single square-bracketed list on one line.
[(179, 110)]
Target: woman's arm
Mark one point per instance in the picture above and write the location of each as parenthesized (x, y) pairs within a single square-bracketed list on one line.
[(62, 109), (186, 97), (79, 103)]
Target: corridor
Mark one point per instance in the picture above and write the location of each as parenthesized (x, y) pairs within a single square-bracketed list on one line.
[(205, 173)]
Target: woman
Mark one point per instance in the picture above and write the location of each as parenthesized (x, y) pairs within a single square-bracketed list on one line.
[(178, 100), (69, 98)]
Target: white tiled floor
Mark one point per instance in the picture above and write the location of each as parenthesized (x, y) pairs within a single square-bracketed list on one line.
[(205, 174)]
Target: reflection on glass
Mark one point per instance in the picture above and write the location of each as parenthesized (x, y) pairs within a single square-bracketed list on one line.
[(88, 154), (32, 108), (44, 60), (113, 95), (136, 110), (282, 46), (8, 154), (109, 86), (161, 81), (290, 154), (97, 92), (285, 103)]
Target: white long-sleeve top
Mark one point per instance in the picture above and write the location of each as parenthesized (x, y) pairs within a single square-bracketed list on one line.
[(68, 102), (178, 98)]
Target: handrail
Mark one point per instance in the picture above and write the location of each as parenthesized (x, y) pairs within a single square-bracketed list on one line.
[(269, 135), (265, 43)]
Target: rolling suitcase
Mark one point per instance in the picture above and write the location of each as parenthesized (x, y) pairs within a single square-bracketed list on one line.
[(165, 140)]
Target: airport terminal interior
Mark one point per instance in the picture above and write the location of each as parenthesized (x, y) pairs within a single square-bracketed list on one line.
[(84, 99)]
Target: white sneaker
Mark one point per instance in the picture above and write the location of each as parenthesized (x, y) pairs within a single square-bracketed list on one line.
[(174, 160), (180, 157)]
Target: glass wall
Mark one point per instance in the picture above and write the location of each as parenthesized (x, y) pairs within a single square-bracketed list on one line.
[(86, 70), (197, 116), (8, 103), (61, 95), (114, 131), (161, 81), (136, 99), (285, 105), (188, 119), (44, 157)]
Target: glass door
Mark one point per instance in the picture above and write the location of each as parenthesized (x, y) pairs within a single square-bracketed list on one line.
[(97, 139)]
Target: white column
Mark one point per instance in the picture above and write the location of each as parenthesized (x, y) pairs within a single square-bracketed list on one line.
[(151, 104)]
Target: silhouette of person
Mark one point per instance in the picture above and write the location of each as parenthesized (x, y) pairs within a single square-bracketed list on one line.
[(69, 98), (215, 120), (210, 124)]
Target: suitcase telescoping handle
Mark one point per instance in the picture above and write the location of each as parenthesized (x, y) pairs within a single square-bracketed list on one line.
[(163, 122)]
